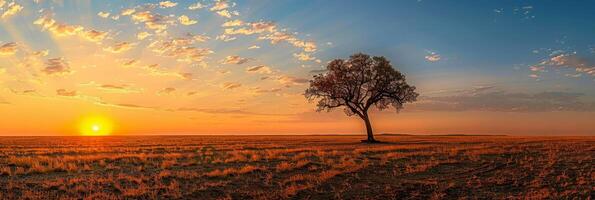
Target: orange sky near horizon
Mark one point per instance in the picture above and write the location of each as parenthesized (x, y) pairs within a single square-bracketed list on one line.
[(42, 119)]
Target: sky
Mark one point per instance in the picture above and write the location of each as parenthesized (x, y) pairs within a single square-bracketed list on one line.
[(241, 67)]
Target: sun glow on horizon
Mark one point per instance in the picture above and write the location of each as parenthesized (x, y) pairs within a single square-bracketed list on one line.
[(95, 126)]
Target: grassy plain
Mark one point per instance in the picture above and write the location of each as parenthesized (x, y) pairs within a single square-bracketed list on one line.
[(296, 167)]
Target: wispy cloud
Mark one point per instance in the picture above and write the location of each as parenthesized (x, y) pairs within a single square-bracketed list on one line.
[(261, 69), (234, 60), (10, 10), (119, 47), (570, 61), (231, 85), (185, 20), (64, 92), (167, 4), (56, 66), (433, 56), (490, 99), (8, 49), (62, 29)]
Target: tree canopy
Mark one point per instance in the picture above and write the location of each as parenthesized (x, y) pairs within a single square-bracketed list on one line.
[(359, 83)]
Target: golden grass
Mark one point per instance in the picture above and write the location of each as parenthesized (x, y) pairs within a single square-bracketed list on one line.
[(278, 167)]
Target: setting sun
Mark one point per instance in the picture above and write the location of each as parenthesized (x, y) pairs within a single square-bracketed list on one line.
[(95, 126)]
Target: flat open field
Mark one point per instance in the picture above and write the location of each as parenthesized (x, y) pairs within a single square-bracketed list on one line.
[(296, 167)]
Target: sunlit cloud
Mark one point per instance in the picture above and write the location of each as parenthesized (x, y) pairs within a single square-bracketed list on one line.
[(234, 60), (128, 11), (233, 23), (261, 69), (230, 85), (8, 49), (433, 56), (61, 29), (491, 99), (11, 9), (271, 90), (570, 61), (291, 80), (225, 38), (224, 13), (303, 56), (119, 88), (153, 21), (130, 62), (167, 91), (143, 35), (56, 66), (196, 6), (64, 92), (181, 49), (119, 47), (185, 20), (220, 5), (167, 4), (103, 14)]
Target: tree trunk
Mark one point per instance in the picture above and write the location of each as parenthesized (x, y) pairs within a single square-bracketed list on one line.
[(369, 129)]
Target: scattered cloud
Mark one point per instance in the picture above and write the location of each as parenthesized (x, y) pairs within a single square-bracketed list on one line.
[(143, 35), (8, 49), (570, 61), (61, 29), (254, 47), (233, 23), (153, 21), (490, 99), (225, 38), (271, 90), (224, 13), (268, 31), (220, 5), (261, 69), (11, 9), (167, 4), (155, 70), (3, 101), (231, 85), (291, 80), (224, 71), (67, 93), (303, 56), (167, 91), (56, 66), (433, 57), (181, 48), (103, 14), (185, 20), (537, 68), (119, 47), (127, 12), (130, 62), (187, 76), (196, 6), (234, 60), (119, 88)]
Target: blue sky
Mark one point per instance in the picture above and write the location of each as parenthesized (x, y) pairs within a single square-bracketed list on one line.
[(497, 39)]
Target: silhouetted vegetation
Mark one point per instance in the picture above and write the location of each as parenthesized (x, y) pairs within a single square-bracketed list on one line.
[(358, 84)]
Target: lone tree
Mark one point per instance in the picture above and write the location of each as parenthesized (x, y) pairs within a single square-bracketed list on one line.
[(359, 83)]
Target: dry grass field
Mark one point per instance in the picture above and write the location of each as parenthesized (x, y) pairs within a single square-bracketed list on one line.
[(297, 167)]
